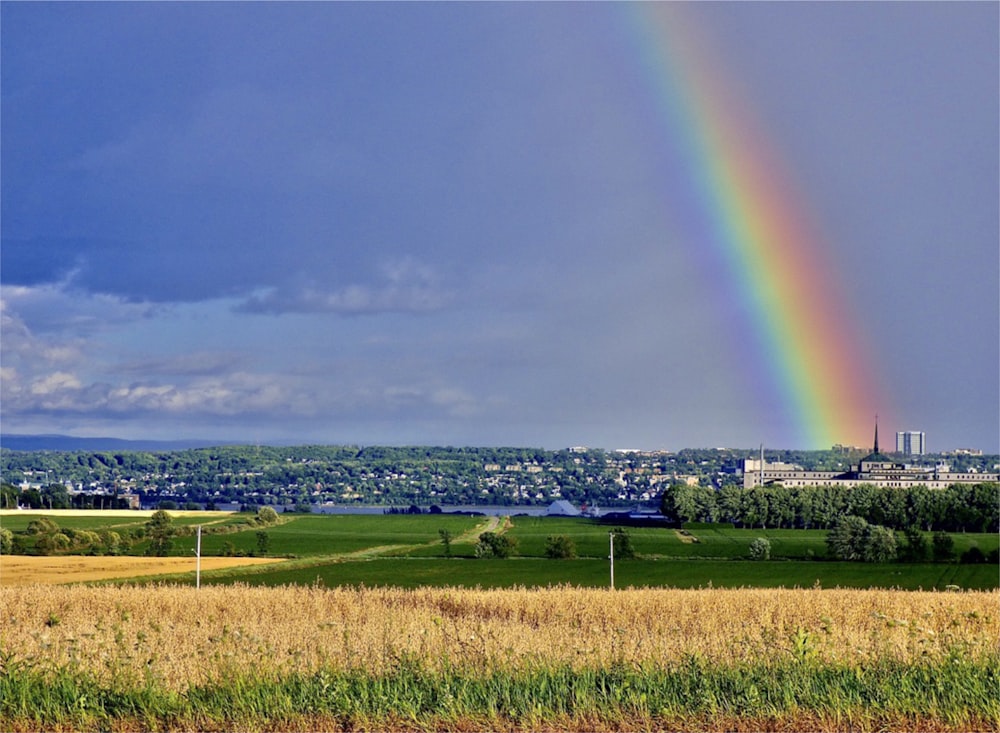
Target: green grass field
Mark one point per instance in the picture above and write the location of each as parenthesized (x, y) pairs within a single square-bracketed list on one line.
[(406, 551), (531, 572)]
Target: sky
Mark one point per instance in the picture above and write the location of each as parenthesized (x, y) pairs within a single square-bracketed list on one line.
[(479, 223)]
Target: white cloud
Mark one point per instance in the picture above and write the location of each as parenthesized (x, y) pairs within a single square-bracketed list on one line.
[(403, 285), (57, 382)]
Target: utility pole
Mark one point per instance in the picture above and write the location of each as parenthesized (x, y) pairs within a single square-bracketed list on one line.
[(197, 569), (611, 537)]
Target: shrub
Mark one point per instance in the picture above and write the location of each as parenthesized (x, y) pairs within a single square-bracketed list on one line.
[(915, 546), (267, 515), (42, 525), (973, 556), (112, 542), (623, 544), (760, 549), (943, 547), (263, 542), (492, 544), (560, 547)]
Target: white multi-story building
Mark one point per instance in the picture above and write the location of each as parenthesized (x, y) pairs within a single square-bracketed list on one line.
[(911, 443), (874, 469)]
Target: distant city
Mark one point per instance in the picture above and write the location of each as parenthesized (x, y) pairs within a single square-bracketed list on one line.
[(309, 478)]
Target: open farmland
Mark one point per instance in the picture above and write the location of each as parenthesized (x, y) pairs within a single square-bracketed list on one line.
[(369, 623), (221, 658), (407, 551), (26, 570)]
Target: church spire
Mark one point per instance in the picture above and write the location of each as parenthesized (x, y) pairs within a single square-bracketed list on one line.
[(876, 433)]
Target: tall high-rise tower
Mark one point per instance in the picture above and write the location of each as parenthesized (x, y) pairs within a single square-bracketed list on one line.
[(911, 443)]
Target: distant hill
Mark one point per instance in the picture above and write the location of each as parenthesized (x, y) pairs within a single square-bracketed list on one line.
[(72, 443)]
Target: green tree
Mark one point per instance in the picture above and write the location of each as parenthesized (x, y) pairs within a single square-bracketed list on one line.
[(159, 530), (942, 547), (760, 549), (846, 540), (9, 496), (112, 542), (915, 547), (560, 547), (267, 516), (6, 541), (879, 544), (446, 538), (492, 544), (263, 542), (56, 496), (623, 544)]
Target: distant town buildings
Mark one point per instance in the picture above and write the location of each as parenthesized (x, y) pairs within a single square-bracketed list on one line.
[(911, 443), (875, 469)]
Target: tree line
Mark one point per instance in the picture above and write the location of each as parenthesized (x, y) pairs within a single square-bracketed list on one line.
[(958, 508)]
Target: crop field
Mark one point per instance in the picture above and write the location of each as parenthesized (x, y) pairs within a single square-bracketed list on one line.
[(591, 573), (26, 570), (368, 622), (406, 551), (168, 657)]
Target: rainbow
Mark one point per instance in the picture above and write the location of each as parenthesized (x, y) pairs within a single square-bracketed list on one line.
[(805, 340)]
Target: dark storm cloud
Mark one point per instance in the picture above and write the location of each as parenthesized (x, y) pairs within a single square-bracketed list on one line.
[(201, 201)]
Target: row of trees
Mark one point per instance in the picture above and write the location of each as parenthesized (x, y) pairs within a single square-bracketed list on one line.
[(43, 536), (852, 538), (958, 508)]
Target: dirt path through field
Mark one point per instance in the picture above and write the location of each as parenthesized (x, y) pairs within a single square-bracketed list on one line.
[(470, 537)]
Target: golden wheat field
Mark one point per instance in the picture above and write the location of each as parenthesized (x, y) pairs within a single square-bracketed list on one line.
[(54, 569), (181, 636)]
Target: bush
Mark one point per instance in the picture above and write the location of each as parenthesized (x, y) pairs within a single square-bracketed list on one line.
[(263, 542), (852, 538), (760, 549), (915, 547), (943, 547), (560, 547), (42, 525), (267, 515), (623, 544), (6, 541), (112, 542), (496, 545), (972, 556)]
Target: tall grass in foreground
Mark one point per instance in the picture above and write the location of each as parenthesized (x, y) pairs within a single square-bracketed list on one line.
[(171, 657)]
